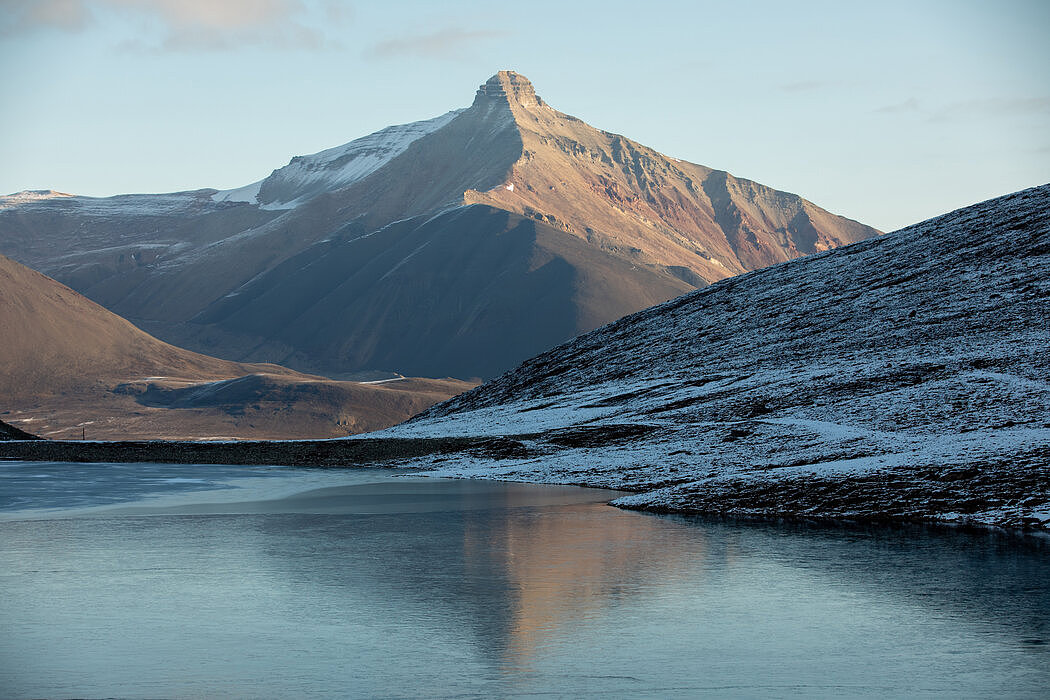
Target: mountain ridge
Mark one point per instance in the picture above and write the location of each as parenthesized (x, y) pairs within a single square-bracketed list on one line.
[(170, 262)]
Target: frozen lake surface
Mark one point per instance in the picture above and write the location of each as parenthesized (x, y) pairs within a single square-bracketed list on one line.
[(196, 581)]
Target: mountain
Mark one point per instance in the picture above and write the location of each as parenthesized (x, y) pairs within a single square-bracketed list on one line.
[(70, 368), (466, 242), (517, 288), (904, 377)]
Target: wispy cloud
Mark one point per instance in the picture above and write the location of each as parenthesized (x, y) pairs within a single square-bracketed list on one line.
[(178, 25), (909, 105), (208, 14), (994, 107), (445, 43), (805, 86), (186, 25), (21, 17)]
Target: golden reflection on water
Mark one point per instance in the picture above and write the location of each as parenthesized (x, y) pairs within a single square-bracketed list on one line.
[(564, 567)]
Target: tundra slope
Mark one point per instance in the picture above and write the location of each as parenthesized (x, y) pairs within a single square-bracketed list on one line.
[(900, 378)]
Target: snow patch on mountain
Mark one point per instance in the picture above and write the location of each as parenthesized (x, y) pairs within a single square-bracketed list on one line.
[(335, 168), (248, 193)]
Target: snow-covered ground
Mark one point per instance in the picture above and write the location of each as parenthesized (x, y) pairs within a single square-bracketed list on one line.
[(903, 377)]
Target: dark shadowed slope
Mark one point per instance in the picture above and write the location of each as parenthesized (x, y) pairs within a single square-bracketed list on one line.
[(434, 295), (632, 226), (70, 368), (902, 377), (9, 432)]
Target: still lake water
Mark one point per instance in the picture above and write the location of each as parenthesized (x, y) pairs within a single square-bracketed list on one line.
[(191, 581)]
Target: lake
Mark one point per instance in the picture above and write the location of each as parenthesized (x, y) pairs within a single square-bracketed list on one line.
[(201, 581)]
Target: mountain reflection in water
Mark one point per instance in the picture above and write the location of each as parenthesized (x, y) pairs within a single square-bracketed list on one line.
[(409, 587)]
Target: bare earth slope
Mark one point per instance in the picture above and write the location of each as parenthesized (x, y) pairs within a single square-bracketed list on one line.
[(170, 263), (904, 377), (393, 297), (68, 368)]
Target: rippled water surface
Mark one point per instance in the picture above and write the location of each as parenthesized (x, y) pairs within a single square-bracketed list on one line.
[(193, 581)]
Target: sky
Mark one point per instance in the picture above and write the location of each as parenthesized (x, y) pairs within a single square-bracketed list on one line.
[(888, 112)]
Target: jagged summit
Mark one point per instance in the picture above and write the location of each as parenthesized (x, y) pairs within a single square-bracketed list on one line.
[(508, 86)]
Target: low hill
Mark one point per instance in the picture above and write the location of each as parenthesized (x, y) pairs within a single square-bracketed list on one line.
[(69, 368), (903, 377)]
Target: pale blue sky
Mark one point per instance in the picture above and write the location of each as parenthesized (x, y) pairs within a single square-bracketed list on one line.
[(886, 112)]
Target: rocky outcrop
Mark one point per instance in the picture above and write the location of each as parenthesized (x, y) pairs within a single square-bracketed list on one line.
[(508, 87)]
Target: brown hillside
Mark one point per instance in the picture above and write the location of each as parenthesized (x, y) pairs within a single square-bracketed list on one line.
[(629, 199), (68, 367)]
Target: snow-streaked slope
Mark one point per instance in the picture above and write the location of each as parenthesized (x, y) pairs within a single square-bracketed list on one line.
[(306, 177), (904, 377), (302, 179), (121, 205)]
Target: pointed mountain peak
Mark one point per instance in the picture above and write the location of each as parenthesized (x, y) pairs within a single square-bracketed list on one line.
[(510, 88)]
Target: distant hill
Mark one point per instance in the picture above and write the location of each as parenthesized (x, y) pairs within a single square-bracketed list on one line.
[(70, 368), (904, 377), (466, 243)]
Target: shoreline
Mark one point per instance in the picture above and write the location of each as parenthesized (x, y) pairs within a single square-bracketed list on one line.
[(293, 453), (394, 452)]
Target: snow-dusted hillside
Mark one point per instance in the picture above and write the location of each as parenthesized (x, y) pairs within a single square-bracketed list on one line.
[(904, 377), (126, 205), (302, 179), (306, 177)]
